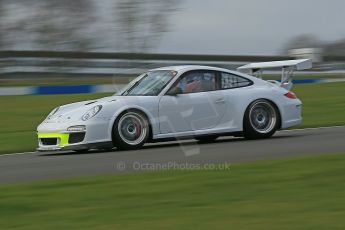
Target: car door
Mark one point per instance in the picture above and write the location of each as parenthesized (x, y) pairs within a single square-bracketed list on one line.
[(235, 89), (200, 105)]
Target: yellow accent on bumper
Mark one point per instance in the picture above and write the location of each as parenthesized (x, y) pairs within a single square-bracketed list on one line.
[(62, 136)]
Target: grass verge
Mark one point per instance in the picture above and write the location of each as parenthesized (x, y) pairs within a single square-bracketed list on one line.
[(296, 193), (22, 114), (323, 105)]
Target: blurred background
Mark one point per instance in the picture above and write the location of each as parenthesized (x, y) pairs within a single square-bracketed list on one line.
[(90, 42), (95, 47), (54, 52)]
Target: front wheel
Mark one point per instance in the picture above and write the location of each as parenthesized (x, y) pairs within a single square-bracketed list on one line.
[(261, 120), (131, 130)]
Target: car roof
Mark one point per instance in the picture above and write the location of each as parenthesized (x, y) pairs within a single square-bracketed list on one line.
[(185, 68), (179, 68)]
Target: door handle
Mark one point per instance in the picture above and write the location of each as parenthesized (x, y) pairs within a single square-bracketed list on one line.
[(220, 101)]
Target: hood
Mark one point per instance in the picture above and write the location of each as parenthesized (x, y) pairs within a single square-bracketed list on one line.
[(74, 111)]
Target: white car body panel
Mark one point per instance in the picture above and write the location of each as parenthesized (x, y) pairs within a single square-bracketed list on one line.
[(213, 112)]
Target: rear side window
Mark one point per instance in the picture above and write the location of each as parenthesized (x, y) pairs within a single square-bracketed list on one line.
[(230, 81)]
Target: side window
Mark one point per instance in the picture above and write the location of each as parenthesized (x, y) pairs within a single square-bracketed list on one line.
[(229, 81), (197, 81)]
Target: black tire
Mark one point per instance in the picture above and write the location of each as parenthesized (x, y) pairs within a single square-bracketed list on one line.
[(131, 130), (261, 120), (206, 139)]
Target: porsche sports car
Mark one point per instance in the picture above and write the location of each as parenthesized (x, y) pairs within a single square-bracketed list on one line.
[(177, 102)]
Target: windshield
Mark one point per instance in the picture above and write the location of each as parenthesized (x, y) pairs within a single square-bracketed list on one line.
[(149, 84)]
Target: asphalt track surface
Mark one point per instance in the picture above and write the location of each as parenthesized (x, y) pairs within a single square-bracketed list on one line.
[(25, 167)]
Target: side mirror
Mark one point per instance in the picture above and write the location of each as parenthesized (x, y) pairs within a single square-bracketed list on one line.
[(174, 91)]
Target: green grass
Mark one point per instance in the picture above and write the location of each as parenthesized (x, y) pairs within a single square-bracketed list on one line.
[(323, 105), (297, 193), (22, 114)]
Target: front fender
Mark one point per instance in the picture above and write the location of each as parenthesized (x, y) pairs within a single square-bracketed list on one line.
[(152, 119)]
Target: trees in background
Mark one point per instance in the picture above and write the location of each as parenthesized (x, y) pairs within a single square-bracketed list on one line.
[(334, 48), (140, 24), (132, 25), (45, 24)]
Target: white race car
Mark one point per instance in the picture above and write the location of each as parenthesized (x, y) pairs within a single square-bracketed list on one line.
[(178, 102)]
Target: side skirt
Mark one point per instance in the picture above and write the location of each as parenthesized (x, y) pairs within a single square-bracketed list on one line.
[(189, 137)]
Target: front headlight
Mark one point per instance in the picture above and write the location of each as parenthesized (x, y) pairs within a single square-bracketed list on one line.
[(91, 113)]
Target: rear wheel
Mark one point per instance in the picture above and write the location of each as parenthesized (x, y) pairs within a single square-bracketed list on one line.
[(261, 120), (131, 130)]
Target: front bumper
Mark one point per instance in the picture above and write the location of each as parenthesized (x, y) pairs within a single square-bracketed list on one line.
[(96, 145), (57, 137), (59, 141)]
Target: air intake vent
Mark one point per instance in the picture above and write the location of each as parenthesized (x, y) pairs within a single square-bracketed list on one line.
[(48, 141), (76, 138)]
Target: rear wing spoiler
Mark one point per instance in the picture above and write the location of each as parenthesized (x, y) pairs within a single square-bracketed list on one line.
[(288, 67)]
